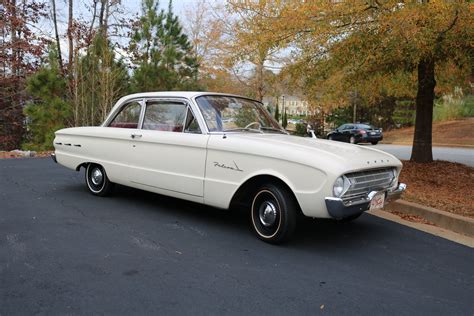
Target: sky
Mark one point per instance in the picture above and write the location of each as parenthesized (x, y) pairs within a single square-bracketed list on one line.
[(46, 28), (132, 7)]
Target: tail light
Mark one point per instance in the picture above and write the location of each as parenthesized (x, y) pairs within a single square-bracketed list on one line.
[(362, 132)]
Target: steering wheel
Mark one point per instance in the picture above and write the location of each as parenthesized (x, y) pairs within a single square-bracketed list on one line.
[(253, 123)]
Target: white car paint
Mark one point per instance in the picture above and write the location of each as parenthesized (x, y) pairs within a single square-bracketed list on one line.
[(210, 167)]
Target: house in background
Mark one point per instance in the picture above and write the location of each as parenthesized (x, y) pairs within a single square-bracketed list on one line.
[(292, 104)]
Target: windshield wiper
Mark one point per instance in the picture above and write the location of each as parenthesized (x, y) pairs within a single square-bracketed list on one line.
[(254, 130), (273, 129)]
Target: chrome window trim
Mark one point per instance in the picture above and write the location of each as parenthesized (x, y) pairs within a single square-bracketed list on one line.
[(198, 115), (186, 120), (142, 114)]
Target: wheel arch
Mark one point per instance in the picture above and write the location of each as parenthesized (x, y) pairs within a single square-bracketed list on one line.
[(83, 164), (242, 196)]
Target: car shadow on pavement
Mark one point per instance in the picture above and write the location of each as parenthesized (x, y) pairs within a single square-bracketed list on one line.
[(323, 234)]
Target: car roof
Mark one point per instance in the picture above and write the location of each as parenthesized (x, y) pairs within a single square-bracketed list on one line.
[(183, 94), (171, 94)]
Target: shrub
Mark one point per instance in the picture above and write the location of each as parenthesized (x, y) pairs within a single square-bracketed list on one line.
[(300, 129), (453, 106)]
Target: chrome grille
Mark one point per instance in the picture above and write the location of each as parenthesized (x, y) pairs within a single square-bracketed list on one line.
[(363, 182)]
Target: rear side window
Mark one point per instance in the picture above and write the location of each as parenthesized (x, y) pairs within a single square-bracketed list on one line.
[(128, 117), (165, 116)]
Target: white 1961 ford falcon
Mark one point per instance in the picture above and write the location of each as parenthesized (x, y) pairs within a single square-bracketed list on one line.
[(224, 151)]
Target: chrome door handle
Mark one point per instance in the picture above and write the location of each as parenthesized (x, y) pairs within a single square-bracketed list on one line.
[(136, 136)]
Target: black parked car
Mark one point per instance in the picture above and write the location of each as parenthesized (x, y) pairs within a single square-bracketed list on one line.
[(356, 133)]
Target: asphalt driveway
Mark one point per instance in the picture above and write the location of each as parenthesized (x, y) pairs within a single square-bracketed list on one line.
[(64, 251)]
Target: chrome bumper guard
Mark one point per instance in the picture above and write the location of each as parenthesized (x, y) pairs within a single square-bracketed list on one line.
[(53, 156), (338, 209)]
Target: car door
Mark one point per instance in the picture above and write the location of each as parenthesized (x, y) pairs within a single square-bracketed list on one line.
[(114, 148), (170, 149), (338, 133), (347, 132)]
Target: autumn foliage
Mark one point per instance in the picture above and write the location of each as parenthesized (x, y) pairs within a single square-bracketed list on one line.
[(373, 49), (374, 54)]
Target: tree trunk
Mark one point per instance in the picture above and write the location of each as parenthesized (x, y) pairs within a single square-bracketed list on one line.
[(422, 141), (13, 113), (103, 3), (56, 33), (69, 37)]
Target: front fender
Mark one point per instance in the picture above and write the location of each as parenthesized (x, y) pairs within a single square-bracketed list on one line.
[(226, 172)]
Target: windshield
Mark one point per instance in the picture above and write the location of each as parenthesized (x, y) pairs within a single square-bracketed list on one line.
[(225, 113)]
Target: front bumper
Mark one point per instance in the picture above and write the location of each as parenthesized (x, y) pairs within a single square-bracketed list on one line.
[(339, 210), (371, 138)]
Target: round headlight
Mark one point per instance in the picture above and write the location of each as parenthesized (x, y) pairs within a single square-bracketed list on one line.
[(340, 186)]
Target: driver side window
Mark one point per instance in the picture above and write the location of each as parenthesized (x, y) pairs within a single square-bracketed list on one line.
[(165, 116)]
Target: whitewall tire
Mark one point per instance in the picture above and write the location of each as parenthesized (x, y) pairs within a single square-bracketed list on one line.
[(97, 181), (273, 213)]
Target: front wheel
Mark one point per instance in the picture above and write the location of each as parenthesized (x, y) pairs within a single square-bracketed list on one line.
[(97, 181), (375, 143), (273, 213)]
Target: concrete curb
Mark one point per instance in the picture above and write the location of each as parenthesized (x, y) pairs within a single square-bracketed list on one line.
[(459, 224)]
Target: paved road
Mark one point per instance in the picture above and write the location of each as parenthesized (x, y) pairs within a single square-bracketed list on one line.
[(63, 251), (461, 155)]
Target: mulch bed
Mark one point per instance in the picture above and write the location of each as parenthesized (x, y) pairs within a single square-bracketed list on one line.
[(10, 154), (413, 218), (446, 186)]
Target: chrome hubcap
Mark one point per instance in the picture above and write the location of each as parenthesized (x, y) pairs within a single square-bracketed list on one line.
[(267, 213), (97, 176)]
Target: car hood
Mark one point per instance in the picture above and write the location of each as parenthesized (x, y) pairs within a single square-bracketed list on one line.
[(310, 151)]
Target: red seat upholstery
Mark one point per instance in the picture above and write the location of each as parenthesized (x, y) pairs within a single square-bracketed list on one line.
[(124, 125)]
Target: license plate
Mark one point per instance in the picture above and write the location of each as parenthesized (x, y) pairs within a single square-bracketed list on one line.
[(373, 133), (377, 201)]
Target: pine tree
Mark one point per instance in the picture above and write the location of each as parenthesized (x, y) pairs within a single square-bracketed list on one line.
[(162, 51), (101, 80), (49, 111), (277, 113), (284, 122)]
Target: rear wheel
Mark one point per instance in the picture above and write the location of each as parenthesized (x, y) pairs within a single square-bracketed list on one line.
[(97, 181), (330, 137), (273, 213), (375, 143), (352, 140)]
